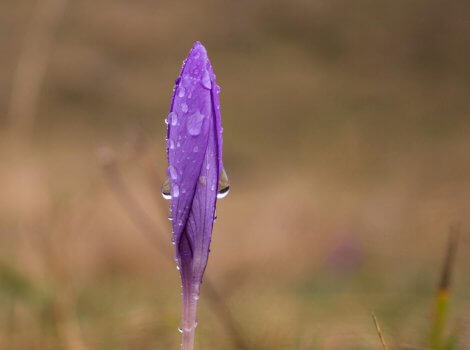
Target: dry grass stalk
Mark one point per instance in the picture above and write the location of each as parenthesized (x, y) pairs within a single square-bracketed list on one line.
[(379, 332), (31, 67)]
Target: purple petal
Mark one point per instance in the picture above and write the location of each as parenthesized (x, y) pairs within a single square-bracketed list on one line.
[(195, 162)]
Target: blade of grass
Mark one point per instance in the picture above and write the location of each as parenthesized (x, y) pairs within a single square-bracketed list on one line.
[(379, 332), (441, 306)]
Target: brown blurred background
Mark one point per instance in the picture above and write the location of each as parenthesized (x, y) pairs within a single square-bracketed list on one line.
[(347, 129)]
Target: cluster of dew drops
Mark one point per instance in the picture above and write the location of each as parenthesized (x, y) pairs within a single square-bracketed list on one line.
[(223, 187)]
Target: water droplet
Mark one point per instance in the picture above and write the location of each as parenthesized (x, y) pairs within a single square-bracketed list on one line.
[(196, 296), (181, 91), (180, 329), (173, 173), (178, 144), (206, 80), (184, 107), (166, 194), (217, 89), (172, 144), (202, 180), (194, 124), (166, 121), (208, 166), (173, 118), (223, 186), (175, 191), (196, 149)]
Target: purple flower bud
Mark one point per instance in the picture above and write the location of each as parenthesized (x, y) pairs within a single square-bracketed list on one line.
[(195, 174)]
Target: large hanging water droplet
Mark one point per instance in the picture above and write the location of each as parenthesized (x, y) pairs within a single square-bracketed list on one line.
[(223, 187), (194, 123), (166, 189), (206, 80)]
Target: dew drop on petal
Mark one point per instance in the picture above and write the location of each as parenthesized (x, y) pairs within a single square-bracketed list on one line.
[(194, 124), (173, 172), (184, 107), (175, 191), (196, 149), (166, 194), (206, 80), (202, 180), (181, 91), (223, 187), (173, 118), (171, 144)]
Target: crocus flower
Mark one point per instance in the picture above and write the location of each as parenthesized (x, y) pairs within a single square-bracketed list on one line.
[(196, 176)]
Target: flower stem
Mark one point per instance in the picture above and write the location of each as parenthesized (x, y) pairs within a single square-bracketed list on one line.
[(189, 322)]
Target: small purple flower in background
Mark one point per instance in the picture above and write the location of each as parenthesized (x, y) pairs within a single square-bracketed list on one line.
[(196, 176)]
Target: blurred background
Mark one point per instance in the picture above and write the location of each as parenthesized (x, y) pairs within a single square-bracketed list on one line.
[(347, 145)]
